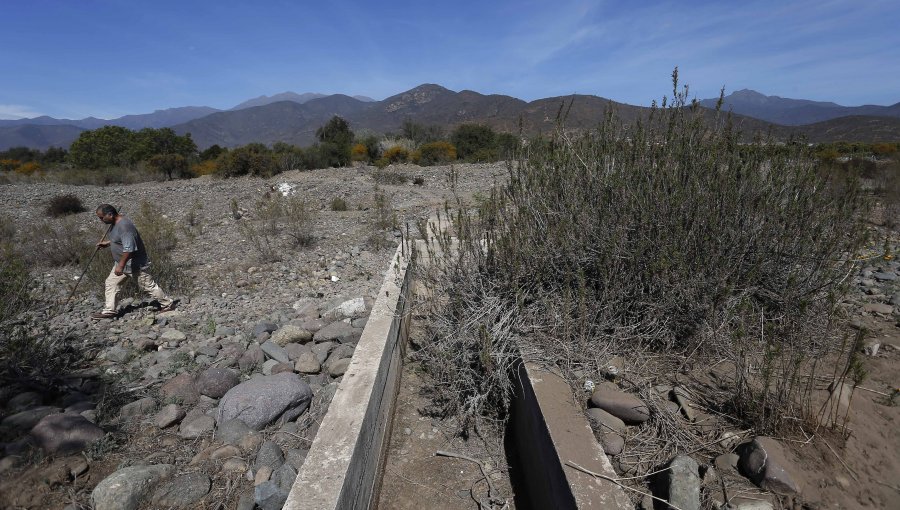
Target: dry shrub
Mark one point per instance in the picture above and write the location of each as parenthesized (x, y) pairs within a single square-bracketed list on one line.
[(63, 205), (279, 223), (338, 204), (390, 178), (666, 236)]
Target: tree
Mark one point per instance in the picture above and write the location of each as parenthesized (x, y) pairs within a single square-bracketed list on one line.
[(211, 153), (149, 142), (335, 139), (474, 141), (252, 159), (107, 146), (173, 165)]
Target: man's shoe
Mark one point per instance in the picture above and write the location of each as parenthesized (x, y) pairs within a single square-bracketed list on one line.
[(97, 316), (169, 307)]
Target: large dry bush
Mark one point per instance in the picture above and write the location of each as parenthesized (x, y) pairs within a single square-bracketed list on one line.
[(667, 236)]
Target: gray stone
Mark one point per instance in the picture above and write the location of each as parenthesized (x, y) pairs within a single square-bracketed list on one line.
[(65, 433), (232, 431), (252, 358), (307, 363), (194, 428), (624, 406), (881, 308), (172, 335), (182, 491), (261, 400), (180, 389), (606, 421), (322, 350), (342, 351), (169, 415), (138, 408), (268, 366), (337, 368), (270, 455), (118, 354), (895, 300), (269, 496), (294, 351), (126, 488), (275, 352), (264, 327), (296, 457), (285, 476), (223, 331), (337, 332), (350, 309), (291, 334), (314, 325), (25, 420), (727, 463), (246, 501), (24, 401), (884, 276), (359, 323), (684, 483), (683, 399), (281, 367), (764, 463), (612, 443), (215, 382)]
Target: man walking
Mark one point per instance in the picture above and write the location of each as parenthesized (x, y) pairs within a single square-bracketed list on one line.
[(131, 260)]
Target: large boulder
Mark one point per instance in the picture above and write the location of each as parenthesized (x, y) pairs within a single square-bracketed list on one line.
[(182, 491), (127, 488), (624, 406), (180, 389), (338, 332), (65, 433), (763, 461), (215, 382), (350, 309), (262, 400)]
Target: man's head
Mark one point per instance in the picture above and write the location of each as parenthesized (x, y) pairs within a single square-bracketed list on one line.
[(107, 213)]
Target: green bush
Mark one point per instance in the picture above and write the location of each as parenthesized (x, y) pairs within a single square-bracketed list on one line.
[(251, 159), (473, 140), (437, 153), (335, 140), (338, 204)]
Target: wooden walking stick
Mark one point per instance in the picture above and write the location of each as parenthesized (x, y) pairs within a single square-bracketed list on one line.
[(88, 265)]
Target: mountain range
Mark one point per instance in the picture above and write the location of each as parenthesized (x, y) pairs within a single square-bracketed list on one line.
[(294, 118)]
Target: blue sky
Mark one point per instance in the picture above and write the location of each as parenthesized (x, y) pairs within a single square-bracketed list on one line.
[(109, 58)]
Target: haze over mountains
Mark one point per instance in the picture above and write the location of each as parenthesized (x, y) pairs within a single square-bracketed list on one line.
[(293, 118)]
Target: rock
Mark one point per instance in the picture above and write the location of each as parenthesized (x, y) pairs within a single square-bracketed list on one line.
[(223, 331), (252, 358), (269, 496), (337, 368), (250, 442), (10, 462), (729, 440), (225, 452), (264, 327), (612, 443), (682, 398), (246, 501), (268, 366), (870, 347), (65, 433), (727, 463), (118, 354), (337, 332), (215, 382), (296, 457), (285, 476), (275, 352), (282, 367), (684, 483), (307, 363), (194, 428), (314, 325), (126, 488), (25, 400), (881, 308), (350, 309), (342, 351), (180, 389), (231, 431), (764, 463), (261, 400), (182, 491), (322, 350), (25, 420), (172, 335), (138, 408), (606, 421), (262, 475), (884, 276), (269, 455), (627, 408), (234, 465), (294, 351), (169, 415), (291, 334)]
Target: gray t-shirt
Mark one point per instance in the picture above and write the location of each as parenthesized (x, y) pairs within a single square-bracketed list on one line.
[(124, 238)]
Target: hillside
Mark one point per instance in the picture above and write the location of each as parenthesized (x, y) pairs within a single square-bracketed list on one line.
[(794, 112), (37, 137)]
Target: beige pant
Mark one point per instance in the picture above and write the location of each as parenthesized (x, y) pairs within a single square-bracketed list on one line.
[(145, 283)]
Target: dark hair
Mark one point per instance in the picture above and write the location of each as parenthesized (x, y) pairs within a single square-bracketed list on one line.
[(107, 209)]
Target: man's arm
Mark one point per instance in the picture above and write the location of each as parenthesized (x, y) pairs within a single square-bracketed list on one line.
[(120, 268)]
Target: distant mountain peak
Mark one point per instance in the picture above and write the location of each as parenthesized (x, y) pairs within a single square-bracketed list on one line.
[(283, 96)]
